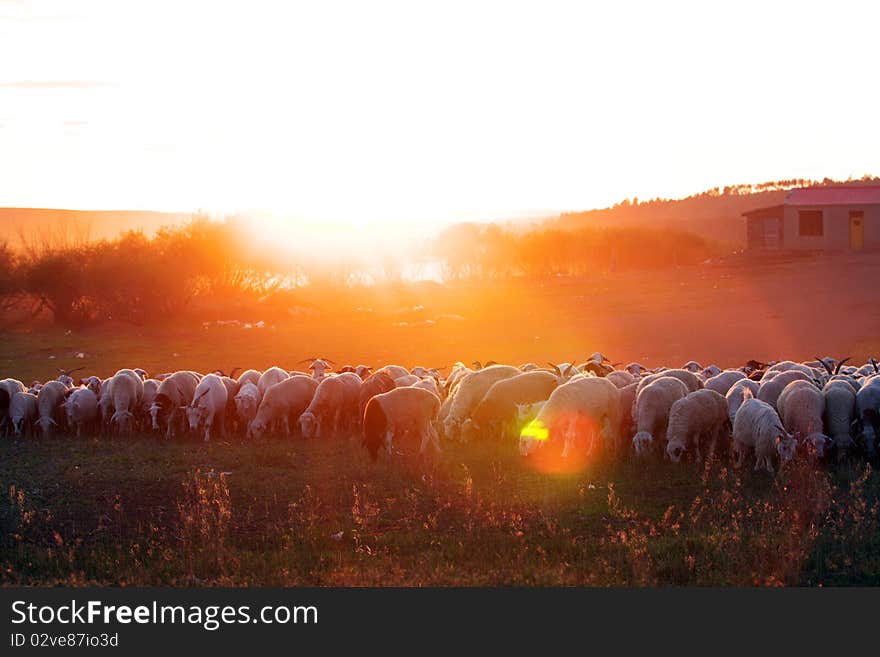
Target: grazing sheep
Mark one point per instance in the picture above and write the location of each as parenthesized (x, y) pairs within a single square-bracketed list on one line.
[(840, 411), (692, 366), (23, 412), (375, 384), (712, 371), (429, 384), (174, 393), (208, 406), (470, 391), (770, 389), (696, 422), (868, 414), (82, 409), (581, 408), (636, 369), (319, 367), (151, 388), (690, 380), (333, 407), (247, 402), (125, 390), (8, 388), (283, 403), (525, 413), (270, 377), (651, 412), (738, 393), (65, 378), (620, 378), (394, 371), (722, 382), (496, 411), (801, 406), (50, 400), (627, 411), (408, 380), (392, 415), (249, 376), (757, 428)]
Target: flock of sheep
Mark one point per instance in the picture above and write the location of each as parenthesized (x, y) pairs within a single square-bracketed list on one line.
[(772, 411)]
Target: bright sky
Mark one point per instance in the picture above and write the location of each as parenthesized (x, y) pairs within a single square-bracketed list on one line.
[(383, 112)]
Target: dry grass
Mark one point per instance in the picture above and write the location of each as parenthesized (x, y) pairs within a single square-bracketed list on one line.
[(141, 512)]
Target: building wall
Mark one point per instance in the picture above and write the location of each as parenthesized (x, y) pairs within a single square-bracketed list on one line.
[(836, 230)]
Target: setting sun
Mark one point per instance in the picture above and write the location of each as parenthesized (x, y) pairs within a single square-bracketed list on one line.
[(395, 116)]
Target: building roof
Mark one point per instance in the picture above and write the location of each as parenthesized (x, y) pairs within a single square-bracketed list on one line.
[(836, 195), (773, 210)]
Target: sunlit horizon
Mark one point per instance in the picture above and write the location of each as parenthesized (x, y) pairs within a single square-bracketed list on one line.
[(392, 117)]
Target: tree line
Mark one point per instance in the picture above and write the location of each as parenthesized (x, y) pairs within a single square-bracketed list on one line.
[(211, 269)]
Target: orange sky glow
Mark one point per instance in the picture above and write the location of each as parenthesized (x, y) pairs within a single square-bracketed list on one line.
[(363, 115)]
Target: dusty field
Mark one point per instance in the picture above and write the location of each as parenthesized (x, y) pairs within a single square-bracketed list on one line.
[(142, 511), (722, 313)]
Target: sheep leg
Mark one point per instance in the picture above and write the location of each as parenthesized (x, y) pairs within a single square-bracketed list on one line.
[(285, 422), (389, 437)]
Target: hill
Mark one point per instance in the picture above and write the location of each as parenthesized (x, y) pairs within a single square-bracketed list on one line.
[(715, 214), (81, 225)]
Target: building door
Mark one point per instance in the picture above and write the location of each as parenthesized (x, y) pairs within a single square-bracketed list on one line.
[(856, 230), (772, 237)]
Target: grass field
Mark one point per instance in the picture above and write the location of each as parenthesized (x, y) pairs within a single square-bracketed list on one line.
[(143, 512)]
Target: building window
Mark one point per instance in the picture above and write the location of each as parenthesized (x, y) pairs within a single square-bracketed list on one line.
[(810, 223)]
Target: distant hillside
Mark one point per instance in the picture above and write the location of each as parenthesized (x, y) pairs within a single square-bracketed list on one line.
[(715, 214), (38, 224)]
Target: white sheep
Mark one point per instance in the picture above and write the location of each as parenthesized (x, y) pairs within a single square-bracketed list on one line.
[(247, 402), (271, 377), (737, 395), (470, 391), (8, 388), (394, 371), (868, 413), (175, 392), (723, 381), (696, 422), (50, 400), (497, 410), (651, 412), (840, 411), (408, 380), (525, 413), (333, 407), (430, 384), (392, 415), (125, 390), (620, 378), (757, 428), (582, 408), (690, 380), (208, 406), (282, 404), (23, 412), (801, 406), (770, 389), (82, 409), (249, 376)]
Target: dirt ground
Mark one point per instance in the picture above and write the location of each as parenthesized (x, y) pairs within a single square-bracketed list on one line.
[(724, 312)]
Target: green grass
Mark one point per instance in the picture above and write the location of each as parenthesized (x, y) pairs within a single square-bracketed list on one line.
[(140, 511)]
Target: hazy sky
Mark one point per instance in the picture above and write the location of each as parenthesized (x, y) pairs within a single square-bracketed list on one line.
[(388, 111)]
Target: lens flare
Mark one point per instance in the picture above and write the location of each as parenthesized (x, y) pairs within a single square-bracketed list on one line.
[(545, 455), (535, 430)]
